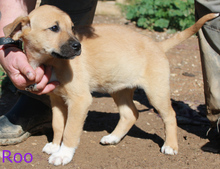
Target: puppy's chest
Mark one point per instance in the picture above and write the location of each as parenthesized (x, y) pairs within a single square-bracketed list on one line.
[(62, 78)]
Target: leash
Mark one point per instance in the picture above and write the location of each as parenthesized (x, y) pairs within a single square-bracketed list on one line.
[(7, 42)]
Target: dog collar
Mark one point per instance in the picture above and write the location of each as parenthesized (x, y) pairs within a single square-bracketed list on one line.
[(9, 41)]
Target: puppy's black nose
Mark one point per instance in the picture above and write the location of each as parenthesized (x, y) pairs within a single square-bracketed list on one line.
[(76, 46)]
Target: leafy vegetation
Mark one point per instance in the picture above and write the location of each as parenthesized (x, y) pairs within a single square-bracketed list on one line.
[(5, 82), (161, 15), (2, 76)]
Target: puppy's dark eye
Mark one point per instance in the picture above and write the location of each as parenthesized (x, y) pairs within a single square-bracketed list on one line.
[(55, 28)]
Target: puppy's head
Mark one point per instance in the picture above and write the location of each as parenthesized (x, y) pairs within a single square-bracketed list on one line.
[(46, 31)]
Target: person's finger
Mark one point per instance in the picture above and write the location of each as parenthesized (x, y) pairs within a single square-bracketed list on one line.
[(25, 68), (17, 67), (48, 88), (40, 72), (45, 79)]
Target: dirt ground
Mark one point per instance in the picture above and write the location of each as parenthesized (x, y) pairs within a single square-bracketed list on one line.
[(141, 146)]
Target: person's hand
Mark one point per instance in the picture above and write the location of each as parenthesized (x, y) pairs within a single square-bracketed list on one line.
[(22, 75)]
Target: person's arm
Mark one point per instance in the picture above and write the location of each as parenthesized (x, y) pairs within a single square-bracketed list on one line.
[(13, 60), (10, 10)]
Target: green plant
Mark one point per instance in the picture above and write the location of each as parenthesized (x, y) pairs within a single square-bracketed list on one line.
[(5, 82), (160, 15), (2, 76)]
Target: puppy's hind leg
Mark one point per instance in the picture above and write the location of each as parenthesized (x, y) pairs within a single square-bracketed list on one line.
[(158, 92), (59, 109), (128, 116)]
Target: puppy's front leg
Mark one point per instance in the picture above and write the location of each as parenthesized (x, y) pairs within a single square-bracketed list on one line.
[(59, 109), (77, 110)]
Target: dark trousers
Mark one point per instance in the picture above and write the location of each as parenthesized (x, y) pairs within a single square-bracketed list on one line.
[(81, 11)]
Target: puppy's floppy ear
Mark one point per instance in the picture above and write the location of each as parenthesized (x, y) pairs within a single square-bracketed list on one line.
[(16, 29)]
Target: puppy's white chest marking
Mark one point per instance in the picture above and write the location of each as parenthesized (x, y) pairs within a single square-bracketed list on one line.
[(53, 76)]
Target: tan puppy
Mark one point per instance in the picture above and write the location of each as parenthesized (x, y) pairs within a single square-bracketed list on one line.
[(111, 59)]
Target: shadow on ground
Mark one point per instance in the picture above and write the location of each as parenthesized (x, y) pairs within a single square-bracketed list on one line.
[(191, 120)]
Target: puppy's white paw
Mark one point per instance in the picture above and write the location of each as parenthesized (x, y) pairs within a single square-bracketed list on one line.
[(63, 156), (168, 150), (110, 139), (51, 148)]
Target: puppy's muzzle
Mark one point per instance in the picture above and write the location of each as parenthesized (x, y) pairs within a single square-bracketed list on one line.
[(68, 50)]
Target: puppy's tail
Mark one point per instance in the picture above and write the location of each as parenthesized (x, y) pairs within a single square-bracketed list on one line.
[(180, 37)]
